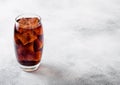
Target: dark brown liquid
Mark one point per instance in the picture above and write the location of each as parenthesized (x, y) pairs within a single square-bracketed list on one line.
[(28, 44)]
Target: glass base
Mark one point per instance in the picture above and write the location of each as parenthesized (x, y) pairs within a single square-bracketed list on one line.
[(30, 68)]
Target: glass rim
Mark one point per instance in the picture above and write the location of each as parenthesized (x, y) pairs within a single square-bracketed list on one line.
[(27, 15)]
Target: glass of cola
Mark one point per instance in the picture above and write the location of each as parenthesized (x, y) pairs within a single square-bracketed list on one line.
[(28, 41)]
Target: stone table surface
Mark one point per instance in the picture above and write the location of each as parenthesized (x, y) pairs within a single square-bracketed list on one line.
[(81, 42)]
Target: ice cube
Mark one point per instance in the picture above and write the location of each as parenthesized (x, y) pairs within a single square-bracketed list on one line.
[(17, 41), (38, 55), (34, 22), (26, 37), (29, 47), (38, 44), (28, 23), (26, 52), (23, 23), (38, 30)]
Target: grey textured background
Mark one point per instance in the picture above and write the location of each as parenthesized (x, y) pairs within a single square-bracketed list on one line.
[(82, 42)]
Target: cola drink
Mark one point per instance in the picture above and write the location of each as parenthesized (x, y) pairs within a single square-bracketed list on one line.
[(28, 36)]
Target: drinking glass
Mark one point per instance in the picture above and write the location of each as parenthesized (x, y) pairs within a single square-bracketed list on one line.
[(28, 41)]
